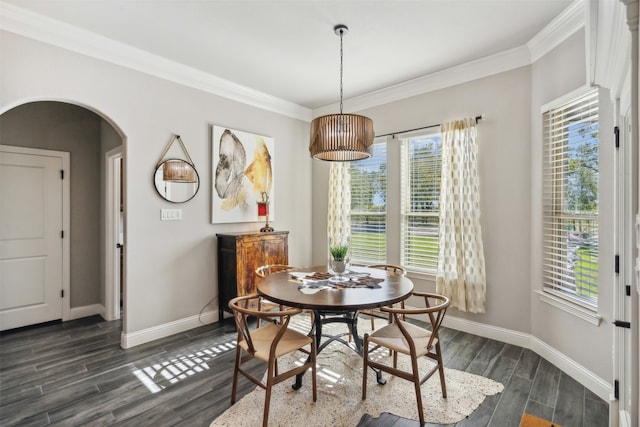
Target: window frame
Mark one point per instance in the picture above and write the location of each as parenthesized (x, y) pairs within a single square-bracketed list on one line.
[(381, 250), (429, 268), (550, 292)]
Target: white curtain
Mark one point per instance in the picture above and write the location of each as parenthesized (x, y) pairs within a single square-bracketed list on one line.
[(339, 207), (461, 269)]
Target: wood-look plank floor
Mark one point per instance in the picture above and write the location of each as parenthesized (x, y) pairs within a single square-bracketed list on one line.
[(76, 374)]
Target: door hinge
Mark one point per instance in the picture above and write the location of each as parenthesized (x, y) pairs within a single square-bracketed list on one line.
[(61, 173), (616, 389), (622, 324), (616, 133), (61, 293), (62, 234), (616, 264), (627, 290)]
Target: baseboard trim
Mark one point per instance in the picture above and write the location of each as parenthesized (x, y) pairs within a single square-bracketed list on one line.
[(593, 382), (488, 331), (161, 331), (86, 311)]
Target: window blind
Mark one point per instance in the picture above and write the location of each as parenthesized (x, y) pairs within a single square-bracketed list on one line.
[(369, 206), (571, 179), (421, 170)]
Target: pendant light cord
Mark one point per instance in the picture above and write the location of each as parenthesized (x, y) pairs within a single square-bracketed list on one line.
[(341, 137), (341, 32)]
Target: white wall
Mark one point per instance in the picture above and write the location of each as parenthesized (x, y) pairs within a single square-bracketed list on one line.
[(559, 72), (504, 169), (170, 266)]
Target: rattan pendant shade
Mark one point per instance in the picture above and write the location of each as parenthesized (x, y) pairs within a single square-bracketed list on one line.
[(341, 137)]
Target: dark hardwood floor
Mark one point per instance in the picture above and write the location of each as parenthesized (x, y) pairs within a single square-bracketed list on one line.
[(76, 374)]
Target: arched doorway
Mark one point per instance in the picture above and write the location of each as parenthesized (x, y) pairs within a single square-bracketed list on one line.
[(87, 136)]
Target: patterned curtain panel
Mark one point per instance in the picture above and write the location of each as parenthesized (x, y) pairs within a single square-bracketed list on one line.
[(461, 271), (339, 207)]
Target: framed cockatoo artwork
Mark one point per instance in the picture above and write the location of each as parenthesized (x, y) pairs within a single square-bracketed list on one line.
[(242, 175)]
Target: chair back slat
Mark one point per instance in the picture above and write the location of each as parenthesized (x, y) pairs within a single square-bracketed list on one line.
[(242, 308), (436, 316), (388, 267), (435, 307), (265, 270), (244, 331)]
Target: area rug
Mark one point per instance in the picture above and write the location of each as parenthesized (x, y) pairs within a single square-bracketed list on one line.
[(339, 380)]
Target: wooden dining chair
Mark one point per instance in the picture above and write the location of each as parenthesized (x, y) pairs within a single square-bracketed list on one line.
[(400, 336), (268, 343), (374, 313), (265, 270)]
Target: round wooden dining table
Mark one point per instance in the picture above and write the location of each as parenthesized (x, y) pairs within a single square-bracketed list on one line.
[(335, 302)]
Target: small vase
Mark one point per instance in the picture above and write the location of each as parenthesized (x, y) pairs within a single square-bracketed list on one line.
[(338, 266)]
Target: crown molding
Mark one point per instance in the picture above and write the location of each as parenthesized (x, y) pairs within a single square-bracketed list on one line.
[(558, 30), (38, 27), (484, 67), (612, 64)]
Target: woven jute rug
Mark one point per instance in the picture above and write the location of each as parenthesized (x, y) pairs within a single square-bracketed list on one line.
[(339, 403)]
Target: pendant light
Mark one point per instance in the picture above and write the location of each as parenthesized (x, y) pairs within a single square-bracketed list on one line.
[(341, 137)]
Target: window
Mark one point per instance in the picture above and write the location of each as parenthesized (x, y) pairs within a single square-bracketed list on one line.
[(369, 207), (420, 165), (571, 176)]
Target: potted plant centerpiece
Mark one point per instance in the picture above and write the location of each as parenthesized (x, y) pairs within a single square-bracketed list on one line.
[(338, 255), (339, 260)]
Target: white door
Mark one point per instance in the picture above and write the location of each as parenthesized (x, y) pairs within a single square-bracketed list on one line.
[(31, 239), (623, 289), (114, 233)]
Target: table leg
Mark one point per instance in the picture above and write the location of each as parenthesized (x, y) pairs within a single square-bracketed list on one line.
[(351, 319)]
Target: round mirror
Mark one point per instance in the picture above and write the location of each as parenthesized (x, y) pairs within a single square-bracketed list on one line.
[(176, 180)]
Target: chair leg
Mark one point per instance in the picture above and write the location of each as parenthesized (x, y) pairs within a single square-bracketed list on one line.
[(267, 395), (236, 368), (416, 384), (313, 370), (390, 322), (365, 358), (443, 384)]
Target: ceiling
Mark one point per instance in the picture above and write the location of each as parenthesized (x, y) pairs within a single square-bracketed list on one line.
[(288, 49)]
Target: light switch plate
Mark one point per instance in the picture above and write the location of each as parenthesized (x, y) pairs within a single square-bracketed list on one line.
[(170, 214)]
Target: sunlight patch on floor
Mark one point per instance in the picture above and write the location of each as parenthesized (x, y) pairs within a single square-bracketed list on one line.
[(159, 375)]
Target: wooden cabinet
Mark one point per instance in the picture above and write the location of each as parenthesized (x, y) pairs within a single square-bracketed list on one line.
[(239, 254)]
